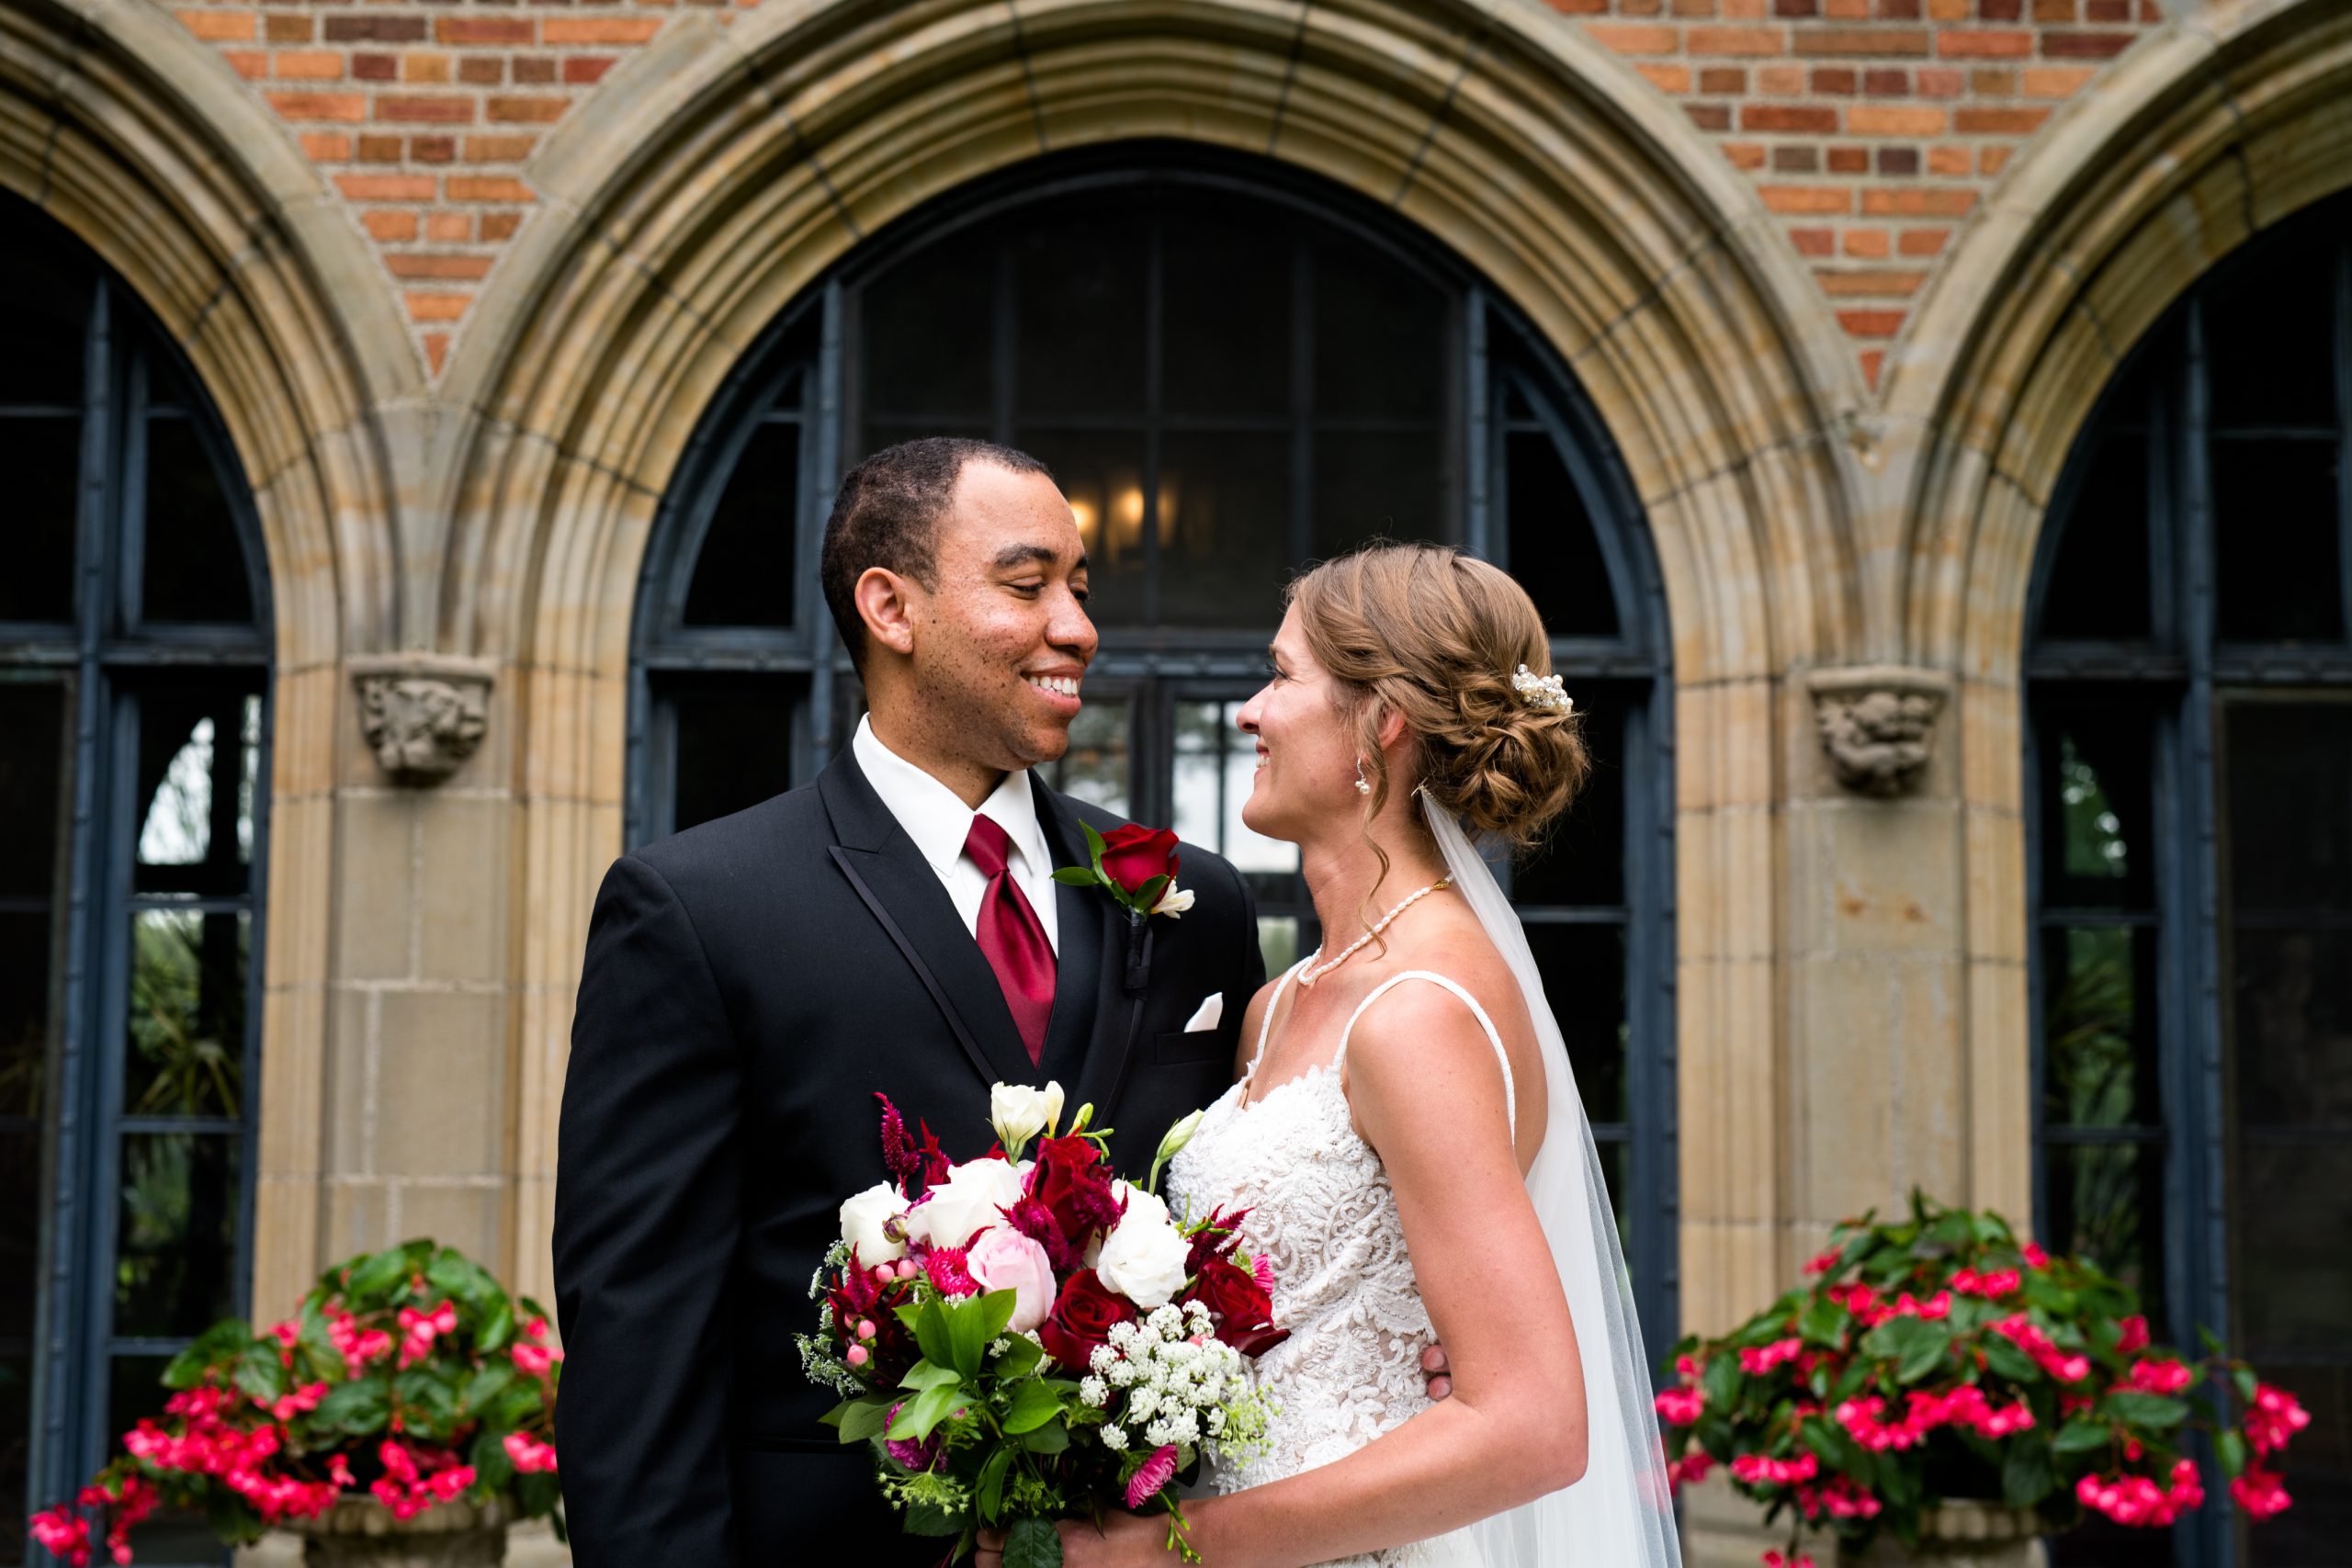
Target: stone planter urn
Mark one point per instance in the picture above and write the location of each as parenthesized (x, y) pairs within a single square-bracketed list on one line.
[(1958, 1533), (359, 1532)]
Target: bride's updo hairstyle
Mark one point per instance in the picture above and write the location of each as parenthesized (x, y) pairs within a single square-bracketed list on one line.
[(1436, 636)]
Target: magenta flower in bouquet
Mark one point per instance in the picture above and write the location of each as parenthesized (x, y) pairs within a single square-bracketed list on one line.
[(1022, 1339), (1940, 1357), (408, 1375)]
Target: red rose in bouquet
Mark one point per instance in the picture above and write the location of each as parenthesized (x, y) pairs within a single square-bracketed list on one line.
[(1244, 1308), (1081, 1319), (1134, 854)]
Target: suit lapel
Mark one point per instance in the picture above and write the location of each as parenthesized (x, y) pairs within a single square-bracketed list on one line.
[(1094, 1020), (895, 883)]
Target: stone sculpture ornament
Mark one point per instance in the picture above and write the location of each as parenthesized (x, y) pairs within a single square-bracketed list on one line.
[(1878, 725), (421, 716)]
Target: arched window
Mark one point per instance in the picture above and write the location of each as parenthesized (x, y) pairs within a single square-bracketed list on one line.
[(1232, 370), (134, 684), (2190, 771)]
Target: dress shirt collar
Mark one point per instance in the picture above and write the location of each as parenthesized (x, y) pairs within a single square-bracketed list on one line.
[(936, 816)]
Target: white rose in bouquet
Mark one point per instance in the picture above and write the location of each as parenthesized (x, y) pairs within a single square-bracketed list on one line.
[(973, 1198), (1019, 1114), (864, 1218), (1143, 1257)]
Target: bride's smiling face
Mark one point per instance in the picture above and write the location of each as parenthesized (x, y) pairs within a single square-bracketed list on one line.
[(1307, 744)]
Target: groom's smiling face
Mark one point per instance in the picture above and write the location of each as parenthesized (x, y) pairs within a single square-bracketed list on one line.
[(1002, 641)]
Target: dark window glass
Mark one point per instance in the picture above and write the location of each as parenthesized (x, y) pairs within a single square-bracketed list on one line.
[(41, 455), (2099, 585), (2098, 837), (194, 567), (2317, 1467), (2269, 353), (924, 345), (1101, 473), (1584, 979), (744, 575), (2277, 552), (734, 748), (1582, 860), (1379, 337), (2100, 1027), (1371, 485), (187, 1051), (1225, 532), (1554, 552), (46, 276), (199, 756), (2105, 1203), (25, 939), (30, 765), (1096, 766), (1080, 294), (177, 1246), (1226, 317)]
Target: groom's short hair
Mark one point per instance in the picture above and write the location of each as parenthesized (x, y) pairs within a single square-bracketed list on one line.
[(887, 514)]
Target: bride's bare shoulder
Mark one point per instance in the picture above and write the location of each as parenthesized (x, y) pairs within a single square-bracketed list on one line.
[(1253, 1018)]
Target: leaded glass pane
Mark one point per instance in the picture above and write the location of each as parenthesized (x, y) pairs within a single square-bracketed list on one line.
[(1101, 474), (1226, 317), (1216, 770), (2277, 555), (1096, 767), (1081, 291), (42, 455), (1380, 330), (745, 574), (194, 567), (2099, 585), (2099, 1027), (1224, 533), (1584, 979), (925, 346), (1386, 485), (733, 746), (1582, 860), (31, 763), (2257, 375), (1554, 552), (187, 1013), (200, 759), (176, 1243)]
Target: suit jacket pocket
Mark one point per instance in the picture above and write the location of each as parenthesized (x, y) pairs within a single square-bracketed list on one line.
[(1189, 1045)]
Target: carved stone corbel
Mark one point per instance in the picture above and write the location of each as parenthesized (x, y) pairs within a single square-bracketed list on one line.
[(424, 714), (1877, 724)]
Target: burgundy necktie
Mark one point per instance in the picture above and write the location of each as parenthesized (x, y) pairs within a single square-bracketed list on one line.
[(1011, 938)]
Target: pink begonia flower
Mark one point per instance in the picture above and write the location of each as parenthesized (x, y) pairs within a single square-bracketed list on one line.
[(419, 1330), (64, 1533), (291, 1406), (1775, 1559), (1681, 1407), (530, 1456), (2156, 1377), (533, 1360), (2035, 1343), (1692, 1466), (1823, 1262), (2273, 1418), (1992, 1285), (1757, 1359), (2261, 1493), (1004, 1259), (1762, 1469), (2134, 1336), (1157, 1472)]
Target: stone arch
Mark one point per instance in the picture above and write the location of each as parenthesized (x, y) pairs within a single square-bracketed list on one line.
[(2204, 135), (120, 125), (725, 168)]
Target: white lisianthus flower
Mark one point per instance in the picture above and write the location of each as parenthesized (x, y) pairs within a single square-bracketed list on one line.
[(973, 1198), (1144, 1256), (1173, 902), (1019, 1114), (864, 1218)]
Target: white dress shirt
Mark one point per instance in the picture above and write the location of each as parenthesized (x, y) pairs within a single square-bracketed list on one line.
[(938, 821)]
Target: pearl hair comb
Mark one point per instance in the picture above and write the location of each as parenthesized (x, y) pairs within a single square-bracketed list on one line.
[(1543, 692)]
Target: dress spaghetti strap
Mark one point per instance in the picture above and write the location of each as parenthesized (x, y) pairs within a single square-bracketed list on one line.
[(1494, 1038), (1266, 1021)]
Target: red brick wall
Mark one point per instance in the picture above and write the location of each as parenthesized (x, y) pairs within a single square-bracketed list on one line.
[(1871, 128)]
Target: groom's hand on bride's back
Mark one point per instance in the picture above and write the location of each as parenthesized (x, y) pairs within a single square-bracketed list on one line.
[(1434, 1369)]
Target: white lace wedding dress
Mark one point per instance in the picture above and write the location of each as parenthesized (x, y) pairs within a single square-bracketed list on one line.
[(1322, 1211)]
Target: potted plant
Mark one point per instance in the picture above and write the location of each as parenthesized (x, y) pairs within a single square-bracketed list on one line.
[(404, 1413), (1941, 1381)]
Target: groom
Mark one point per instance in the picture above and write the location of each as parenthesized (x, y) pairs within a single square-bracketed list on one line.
[(750, 984)]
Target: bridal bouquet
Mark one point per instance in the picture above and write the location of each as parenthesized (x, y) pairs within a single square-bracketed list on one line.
[(1025, 1339)]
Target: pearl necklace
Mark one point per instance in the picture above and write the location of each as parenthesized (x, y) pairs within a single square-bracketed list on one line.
[(1308, 977)]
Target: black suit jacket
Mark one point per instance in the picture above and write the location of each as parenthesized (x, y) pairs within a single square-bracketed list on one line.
[(748, 986)]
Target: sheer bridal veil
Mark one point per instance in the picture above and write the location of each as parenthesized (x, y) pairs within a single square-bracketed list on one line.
[(1621, 1515)]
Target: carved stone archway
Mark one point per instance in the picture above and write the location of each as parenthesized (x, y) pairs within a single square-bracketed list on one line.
[(727, 167)]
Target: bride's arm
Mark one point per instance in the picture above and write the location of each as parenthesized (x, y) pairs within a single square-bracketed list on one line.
[(1428, 1093)]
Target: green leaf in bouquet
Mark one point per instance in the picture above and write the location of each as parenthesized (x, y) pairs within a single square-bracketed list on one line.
[(2027, 1474), (1824, 1323), (463, 1281), (1033, 1543), (926, 1410), (1033, 1403), (1020, 1358), (2082, 1438), (2002, 1355), (992, 1485), (925, 1517), (1076, 876), (926, 1375), (261, 1372), (379, 1272), (2246, 1382), (932, 1334), (1050, 1439), (861, 1419), (2229, 1449), (358, 1408), (2146, 1409)]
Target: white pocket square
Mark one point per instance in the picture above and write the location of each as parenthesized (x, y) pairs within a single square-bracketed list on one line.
[(1207, 1014)]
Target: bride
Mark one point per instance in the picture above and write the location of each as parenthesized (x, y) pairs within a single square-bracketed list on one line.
[(1404, 1129)]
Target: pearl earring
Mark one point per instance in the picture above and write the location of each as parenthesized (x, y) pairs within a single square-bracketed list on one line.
[(1363, 785)]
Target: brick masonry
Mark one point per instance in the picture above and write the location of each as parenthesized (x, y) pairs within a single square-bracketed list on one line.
[(1871, 128)]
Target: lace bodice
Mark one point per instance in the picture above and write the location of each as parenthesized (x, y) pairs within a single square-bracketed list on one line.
[(1323, 1212)]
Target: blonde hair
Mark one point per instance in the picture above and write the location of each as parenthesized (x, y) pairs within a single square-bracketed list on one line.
[(1435, 636)]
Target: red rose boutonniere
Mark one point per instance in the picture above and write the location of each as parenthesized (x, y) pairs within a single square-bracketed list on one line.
[(1136, 866)]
